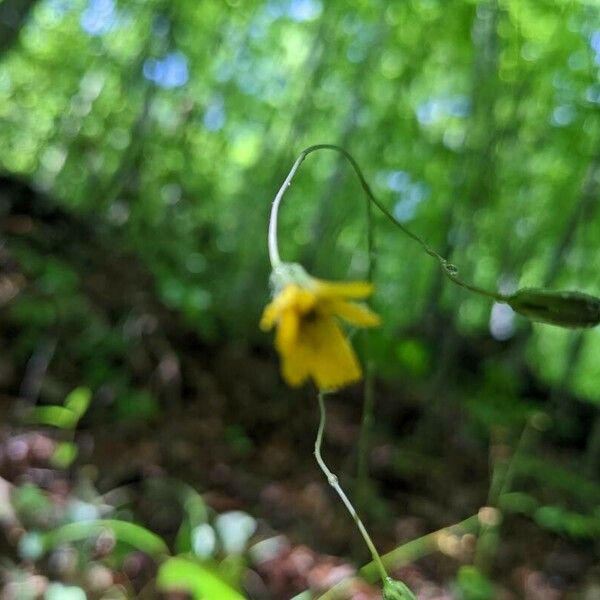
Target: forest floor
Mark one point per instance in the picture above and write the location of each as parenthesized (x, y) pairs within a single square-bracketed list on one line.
[(245, 443)]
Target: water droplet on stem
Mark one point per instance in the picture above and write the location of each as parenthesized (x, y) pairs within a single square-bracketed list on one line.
[(451, 269)]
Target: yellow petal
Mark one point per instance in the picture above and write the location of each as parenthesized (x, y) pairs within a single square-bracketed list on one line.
[(287, 330), (291, 297), (343, 289), (309, 338), (332, 362), (269, 316), (295, 366), (355, 314)]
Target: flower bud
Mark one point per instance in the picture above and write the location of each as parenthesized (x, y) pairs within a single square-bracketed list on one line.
[(565, 309)]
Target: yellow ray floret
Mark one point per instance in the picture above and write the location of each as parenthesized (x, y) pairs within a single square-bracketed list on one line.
[(309, 338)]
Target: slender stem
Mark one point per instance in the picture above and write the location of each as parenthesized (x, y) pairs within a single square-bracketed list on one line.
[(402, 555), (364, 436), (448, 269), (334, 483), (509, 473), (419, 547), (273, 244), (502, 478)]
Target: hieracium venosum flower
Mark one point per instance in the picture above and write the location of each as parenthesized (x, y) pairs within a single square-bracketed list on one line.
[(308, 313)]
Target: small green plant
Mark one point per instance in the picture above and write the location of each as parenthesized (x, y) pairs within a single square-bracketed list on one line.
[(65, 418), (207, 561)]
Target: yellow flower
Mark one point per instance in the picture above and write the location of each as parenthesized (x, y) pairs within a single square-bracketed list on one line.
[(309, 338)]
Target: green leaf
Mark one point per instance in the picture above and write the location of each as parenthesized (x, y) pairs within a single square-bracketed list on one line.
[(128, 533), (473, 584), (31, 503), (565, 309), (64, 455), (203, 584), (396, 590), (560, 520), (518, 502), (78, 401), (56, 416)]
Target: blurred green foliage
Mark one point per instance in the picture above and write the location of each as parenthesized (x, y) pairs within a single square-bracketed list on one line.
[(184, 574), (152, 137), (210, 571), (473, 585), (169, 127)]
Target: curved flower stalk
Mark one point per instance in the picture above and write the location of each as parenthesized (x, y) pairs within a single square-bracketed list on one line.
[(308, 314), (310, 340), (570, 309)]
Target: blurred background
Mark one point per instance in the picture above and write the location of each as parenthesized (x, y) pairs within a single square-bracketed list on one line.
[(141, 144)]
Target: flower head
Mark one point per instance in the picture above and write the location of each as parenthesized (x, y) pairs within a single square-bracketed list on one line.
[(309, 338)]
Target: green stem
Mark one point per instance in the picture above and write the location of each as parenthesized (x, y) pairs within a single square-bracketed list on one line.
[(415, 549), (509, 474), (405, 554), (502, 479), (448, 269), (364, 436), (334, 483)]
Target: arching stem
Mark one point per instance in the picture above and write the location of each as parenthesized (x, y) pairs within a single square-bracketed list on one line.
[(448, 269)]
